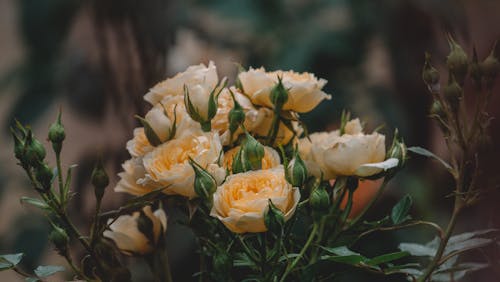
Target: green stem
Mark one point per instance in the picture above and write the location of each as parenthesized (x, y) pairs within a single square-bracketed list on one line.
[(301, 254), (273, 131), (62, 194)]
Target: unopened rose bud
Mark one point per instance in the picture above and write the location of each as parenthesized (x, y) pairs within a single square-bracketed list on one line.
[(453, 94), (297, 171), (274, 219), (457, 61), (253, 151), (204, 183), (437, 109), (398, 150), (34, 152), (18, 146), (99, 179), (236, 116), (44, 175), (490, 67), (430, 75), (278, 95), (201, 105), (57, 134), (319, 200), (60, 239)]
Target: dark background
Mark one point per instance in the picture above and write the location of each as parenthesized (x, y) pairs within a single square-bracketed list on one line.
[(96, 59)]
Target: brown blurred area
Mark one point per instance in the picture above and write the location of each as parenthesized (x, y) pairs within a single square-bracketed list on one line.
[(96, 59)]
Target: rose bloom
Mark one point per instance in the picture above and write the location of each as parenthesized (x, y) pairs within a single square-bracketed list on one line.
[(194, 75), (304, 89), (168, 164), (271, 158), (127, 237), (133, 172), (225, 104), (353, 153), (243, 200)]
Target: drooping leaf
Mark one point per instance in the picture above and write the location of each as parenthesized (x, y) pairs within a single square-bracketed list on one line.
[(399, 213), (385, 258), (424, 152), (35, 202), (10, 260), (48, 270), (418, 250)]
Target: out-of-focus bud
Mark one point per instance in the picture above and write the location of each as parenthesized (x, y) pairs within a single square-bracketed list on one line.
[(490, 66), (34, 152), (60, 239), (457, 61), (253, 151), (296, 171), (204, 183), (57, 134), (274, 219), (44, 175), (99, 179), (397, 150), (430, 75), (437, 109), (278, 95), (453, 94), (319, 199), (236, 115)]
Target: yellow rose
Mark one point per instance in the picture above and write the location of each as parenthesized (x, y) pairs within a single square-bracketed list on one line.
[(242, 201), (133, 171), (304, 89), (168, 164), (127, 237), (353, 153), (200, 74), (139, 145), (271, 158), (225, 104)]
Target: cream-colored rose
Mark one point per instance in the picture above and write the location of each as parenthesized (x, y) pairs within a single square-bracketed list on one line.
[(183, 122), (225, 104), (243, 200), (160, 122), (304, 89), (168, 164), (353, 153), (174, 86), (133, 171), (127, 237), (284, 136), (271, 158), (139, 145)]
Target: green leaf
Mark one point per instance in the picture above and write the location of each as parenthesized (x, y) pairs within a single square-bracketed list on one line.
[(424, 152), (417, 249), (386, 258), (10, 260), (35, 202), (48, 270), (459, 271), (399, 213), (343, 255)]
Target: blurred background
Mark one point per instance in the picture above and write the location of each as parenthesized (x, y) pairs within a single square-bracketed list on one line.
[(96, 59)]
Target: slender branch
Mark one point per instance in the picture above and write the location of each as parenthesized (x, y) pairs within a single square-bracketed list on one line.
[(302, 252)]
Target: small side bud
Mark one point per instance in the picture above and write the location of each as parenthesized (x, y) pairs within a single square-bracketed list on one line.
[(430, 75), (99, 179), (57, 134), (236, 115), (60, 239), (18, 146), (490, 67), (297, 171), (278, 95), (457, 60), (398, 150), (453, 94), (253, 152), (204, 183), (319, 200), (44, 175), (34, 152), (274, 219)]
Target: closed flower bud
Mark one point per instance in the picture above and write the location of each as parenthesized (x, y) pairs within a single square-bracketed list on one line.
[(236, 116), (44, 175), (34, 152), (278, 95), (437, 109), (274, 219), (18, 146), (57, 134), (453, 94), (60, 239), (99, 180), (253, 152), (457, 61), (297, 171), (201, 103), (319, 199), (397, 150), (204, 183), (430, 75), (490, 67)]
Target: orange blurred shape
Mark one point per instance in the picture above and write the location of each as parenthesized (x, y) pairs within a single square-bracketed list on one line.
[(367, 189)]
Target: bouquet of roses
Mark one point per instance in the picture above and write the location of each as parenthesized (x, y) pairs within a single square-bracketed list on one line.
[(266, 200)]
